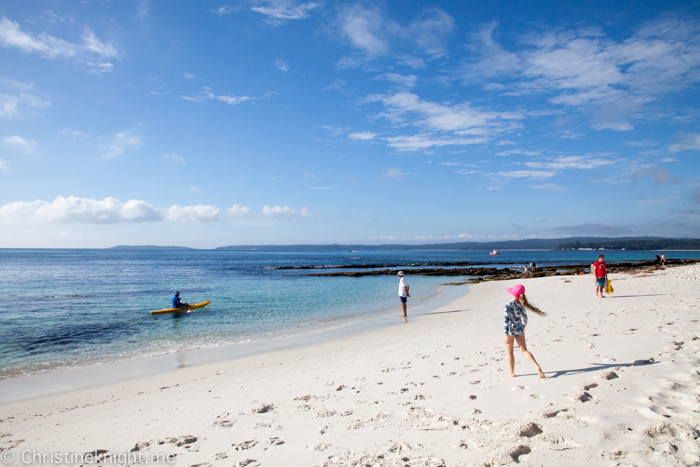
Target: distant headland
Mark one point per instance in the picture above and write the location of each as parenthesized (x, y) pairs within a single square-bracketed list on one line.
[(149, 247), (571, 243)]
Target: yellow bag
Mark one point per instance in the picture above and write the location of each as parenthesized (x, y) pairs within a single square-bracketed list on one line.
[(609, 289)]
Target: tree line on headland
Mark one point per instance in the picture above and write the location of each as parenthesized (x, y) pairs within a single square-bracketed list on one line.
[(658, 244)]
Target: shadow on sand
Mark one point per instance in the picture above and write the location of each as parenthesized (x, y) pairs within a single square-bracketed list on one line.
[(441, 312), (635, 296), (598, 367)]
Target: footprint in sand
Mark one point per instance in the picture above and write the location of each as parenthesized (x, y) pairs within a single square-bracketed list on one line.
[(223, 423), (553, 412), (247, 463), (530, 430), (264, 409), (244, 445), (519, 453)]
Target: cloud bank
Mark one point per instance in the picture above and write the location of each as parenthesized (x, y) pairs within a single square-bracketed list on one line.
[(111, 211)]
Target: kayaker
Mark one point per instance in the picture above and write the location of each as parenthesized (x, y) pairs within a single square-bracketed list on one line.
[(177, 303)]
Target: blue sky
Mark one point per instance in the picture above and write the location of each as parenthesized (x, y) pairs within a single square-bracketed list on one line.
[(214, 123)]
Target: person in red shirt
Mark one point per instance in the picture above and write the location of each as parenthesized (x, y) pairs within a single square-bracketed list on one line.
[(599, 268)]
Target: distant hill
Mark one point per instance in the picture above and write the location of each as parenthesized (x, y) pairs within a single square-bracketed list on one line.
[(637, 244), (530, 244), (149, 247), (609, 243)]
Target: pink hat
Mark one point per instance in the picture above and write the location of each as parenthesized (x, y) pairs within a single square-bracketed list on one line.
[(517, 290)]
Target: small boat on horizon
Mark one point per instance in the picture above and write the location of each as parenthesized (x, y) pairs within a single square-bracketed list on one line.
[(494, 252)]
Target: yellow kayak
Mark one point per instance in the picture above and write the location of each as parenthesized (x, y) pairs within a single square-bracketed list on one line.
[(175, 310)]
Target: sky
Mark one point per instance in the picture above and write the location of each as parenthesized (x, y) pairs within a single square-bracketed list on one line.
[(215, 123)]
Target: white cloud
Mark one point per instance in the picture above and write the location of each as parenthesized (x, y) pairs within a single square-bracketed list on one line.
[(287, 212), (493, 59), (337, 130), (430, 30), (93, 44), (362, 135), (394, 173), (610, 80), (688, 142), (495, 188), (659, 176), (74, 133), (654, 201), (90, 51), (12, 36), (365, 27), (412, 61), (3, 166), (19, 100), (198, 214), (175, 158), (206, 94), (86, 210), (337, 84), (108, 211), (550, 187), (504, 142), (225, 10), (194, 189), (423, 141), (142, 9), (408, 81), (281, 64), (571, 162), (280, 11), (389, 237), (427, 238), (533, 174), (19, 143), (470, 172), (640, 144), (120, 143), (52, 17), (518, 151), (460, 119), (237, 210), (616, 126)]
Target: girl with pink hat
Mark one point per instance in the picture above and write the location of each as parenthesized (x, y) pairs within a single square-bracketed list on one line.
[(515, 322)]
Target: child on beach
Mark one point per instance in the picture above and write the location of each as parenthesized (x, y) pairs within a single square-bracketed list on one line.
[(515, 322)]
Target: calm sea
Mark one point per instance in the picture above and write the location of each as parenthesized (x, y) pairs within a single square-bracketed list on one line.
[(68, 308)]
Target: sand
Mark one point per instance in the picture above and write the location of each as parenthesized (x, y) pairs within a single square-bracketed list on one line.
[(622, 389)]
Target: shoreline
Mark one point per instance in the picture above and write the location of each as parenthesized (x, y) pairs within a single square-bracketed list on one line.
[(68, 379), (621, 388)]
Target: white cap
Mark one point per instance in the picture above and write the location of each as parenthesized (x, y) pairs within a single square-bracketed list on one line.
[(400, 273)]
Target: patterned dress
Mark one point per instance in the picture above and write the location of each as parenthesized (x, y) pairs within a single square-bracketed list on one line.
[(515, 319)]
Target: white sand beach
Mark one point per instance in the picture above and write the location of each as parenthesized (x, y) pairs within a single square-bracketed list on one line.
[(622, 389)]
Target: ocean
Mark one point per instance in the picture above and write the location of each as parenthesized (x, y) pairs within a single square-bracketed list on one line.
[(74, 308)]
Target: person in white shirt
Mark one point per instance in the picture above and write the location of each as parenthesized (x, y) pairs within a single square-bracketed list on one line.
[(403, 293)]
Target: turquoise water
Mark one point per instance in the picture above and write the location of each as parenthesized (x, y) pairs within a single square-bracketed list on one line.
[(67, 308)]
